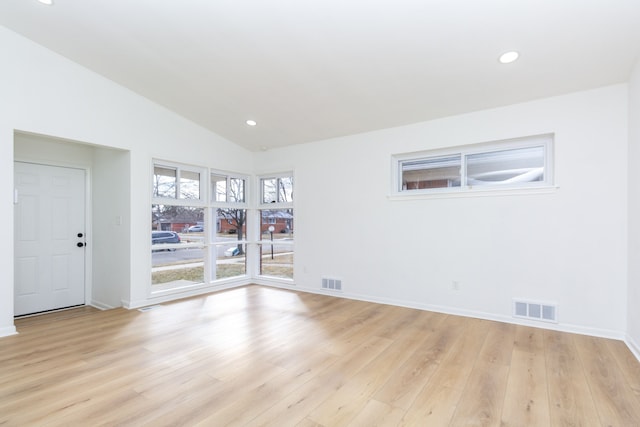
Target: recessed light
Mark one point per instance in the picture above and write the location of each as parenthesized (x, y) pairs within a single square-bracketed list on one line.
[(251, 122), (47, 2), (508, 57)]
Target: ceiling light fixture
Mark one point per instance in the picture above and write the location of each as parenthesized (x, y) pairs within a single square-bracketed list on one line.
[(508, 57), (251, 122), (47, 2)]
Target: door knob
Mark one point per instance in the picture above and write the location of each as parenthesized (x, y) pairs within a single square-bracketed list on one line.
[(80, 244)]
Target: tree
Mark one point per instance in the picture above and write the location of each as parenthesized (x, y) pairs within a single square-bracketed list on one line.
[(236, 217)]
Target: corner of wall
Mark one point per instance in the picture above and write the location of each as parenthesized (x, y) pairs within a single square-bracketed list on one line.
[(633, 203)]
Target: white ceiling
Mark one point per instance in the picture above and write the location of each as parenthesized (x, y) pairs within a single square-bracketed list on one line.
[(308, 70)]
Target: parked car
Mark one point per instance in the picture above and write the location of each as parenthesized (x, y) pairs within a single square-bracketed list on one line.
[(232, 251), (195, 229), (158, 237)]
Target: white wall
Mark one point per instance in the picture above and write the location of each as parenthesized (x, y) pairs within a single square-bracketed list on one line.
[(633, 321), (568, 246), (43, 93), (110, 230)]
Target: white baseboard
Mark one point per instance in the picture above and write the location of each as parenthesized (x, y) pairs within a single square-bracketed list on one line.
[(100, 306), (575, 329), (8, 331), (176, 294), (633, 346)]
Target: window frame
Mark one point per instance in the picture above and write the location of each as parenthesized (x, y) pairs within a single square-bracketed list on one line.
[(277, 176), (546, 141), (263, 240), (198, 203), (212, 238), (229, 176), (177, 200)]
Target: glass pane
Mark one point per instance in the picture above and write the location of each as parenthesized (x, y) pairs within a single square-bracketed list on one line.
[(276, 260), (189, 185), (276, 224), (219, 188), (175, 218), (436, 172), (231, 224), (285, 189), (506, 167), (236, 190), (269, 190), (230, 261), (177, 255), (170, 268), (164, 182)]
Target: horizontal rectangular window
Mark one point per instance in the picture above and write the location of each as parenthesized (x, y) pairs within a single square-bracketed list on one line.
[(227, 189), (276, 189), (517, 163), (178, 182), (434, 172)]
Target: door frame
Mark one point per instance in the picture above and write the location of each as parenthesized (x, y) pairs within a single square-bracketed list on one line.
[(88, 259)]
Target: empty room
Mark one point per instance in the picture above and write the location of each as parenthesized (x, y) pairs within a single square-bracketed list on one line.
[(320, 213)]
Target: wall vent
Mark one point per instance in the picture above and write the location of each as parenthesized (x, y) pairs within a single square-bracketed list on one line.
[(331, 284), (535, 310)]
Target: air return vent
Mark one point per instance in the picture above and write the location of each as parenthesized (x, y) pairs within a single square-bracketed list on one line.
[(148, 308), (331, 284), (535, 310)]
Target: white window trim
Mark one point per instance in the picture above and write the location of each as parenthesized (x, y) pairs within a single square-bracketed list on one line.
[(229, 176), (542, 187), (260, 206), (276, 204), (177, 201)]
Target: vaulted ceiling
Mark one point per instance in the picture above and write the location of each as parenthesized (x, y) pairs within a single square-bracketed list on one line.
[(307, 70)]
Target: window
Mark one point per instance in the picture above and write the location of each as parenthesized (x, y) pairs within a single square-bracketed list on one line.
[(178, 247), (277, 189), (517, 163), (277, 226), (176, 182), (229, 241)]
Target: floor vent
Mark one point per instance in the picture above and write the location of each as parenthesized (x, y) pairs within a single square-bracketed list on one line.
[(544, 312), (148, 308), (331, 284)]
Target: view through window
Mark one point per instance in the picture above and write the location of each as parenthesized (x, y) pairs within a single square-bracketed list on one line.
[(276, 226)]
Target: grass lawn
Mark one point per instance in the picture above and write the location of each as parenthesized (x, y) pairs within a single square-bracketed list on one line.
[(280, 266)]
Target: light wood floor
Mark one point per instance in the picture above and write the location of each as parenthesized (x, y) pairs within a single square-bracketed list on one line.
[(259, 356)]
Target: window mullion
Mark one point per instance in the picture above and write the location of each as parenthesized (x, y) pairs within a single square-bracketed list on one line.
[(463, 170)]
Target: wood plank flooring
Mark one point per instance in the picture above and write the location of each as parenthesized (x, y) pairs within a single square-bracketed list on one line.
[(257, 356)]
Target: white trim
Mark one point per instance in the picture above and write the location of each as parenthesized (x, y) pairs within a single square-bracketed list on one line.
[(100, 306), (185, 292), (8, 331), (478, 192), (576, 329), (229, 175), (203, 171), (276, 204), (634, 347)]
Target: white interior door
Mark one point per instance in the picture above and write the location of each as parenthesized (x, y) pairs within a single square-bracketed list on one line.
[(49, 237)]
